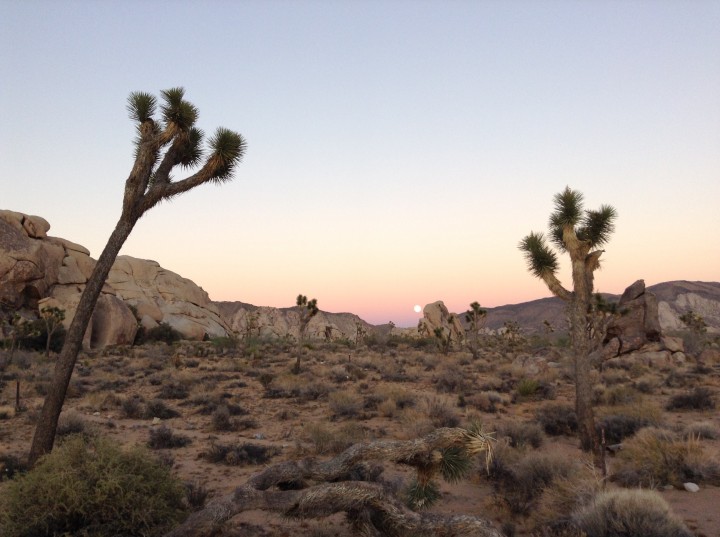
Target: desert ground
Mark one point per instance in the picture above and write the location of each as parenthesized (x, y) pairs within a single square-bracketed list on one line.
[(213, 399)]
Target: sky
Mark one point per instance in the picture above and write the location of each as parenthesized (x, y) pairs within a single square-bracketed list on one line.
[(398, 151)]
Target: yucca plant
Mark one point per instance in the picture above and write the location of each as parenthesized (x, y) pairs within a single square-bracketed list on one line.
[(162, 145), (580, 233)]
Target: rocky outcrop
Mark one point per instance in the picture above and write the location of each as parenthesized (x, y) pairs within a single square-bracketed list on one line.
[(638, 323), (246, 319), (436, 315), (29, 260), (162, 296), (38, 271), (680, 297)]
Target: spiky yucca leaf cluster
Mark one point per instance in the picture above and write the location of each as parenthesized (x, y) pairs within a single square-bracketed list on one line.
[(421, 495), (182, 141), (592, 228)]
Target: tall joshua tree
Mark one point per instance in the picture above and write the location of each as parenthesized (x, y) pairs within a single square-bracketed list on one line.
[(161, 145), (580, 233)]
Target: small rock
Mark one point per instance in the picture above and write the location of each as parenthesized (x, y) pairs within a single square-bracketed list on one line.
[(259, 436), (155, 420), (668, 487), (96, 413), (691, 487)]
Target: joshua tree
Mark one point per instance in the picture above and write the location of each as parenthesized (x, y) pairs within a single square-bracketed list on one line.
[(308, 310), (578, 232), (475, 317), (161, 145), (53, 318)]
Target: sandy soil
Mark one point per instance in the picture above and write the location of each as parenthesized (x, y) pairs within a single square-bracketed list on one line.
[(280, 410)]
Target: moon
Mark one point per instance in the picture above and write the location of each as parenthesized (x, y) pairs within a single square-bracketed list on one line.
[(417, 308)]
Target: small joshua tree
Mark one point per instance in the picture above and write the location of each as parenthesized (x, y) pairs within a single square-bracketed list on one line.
[(579, 233), (308, 310), (53, 318), (475, 317)]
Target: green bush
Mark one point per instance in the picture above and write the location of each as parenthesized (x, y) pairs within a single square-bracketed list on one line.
[(90, 487), (620, 513)]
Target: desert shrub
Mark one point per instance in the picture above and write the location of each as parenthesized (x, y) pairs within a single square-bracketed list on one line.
[(451, 379), (133, 408), (158, 409), (326, 440), (647, 384), (655, 457), (617, 427), (522, 434), (240, 454), (700, 398), (440, 412), (173, 390), (221, 419), (535, 389), (163, 437), (551, 515), (527, 387), (70, 423), (345, 403), (92, 488), (557, 419), (620, 395), (621, 513), (519, 486), (487, 401), (702, 430)]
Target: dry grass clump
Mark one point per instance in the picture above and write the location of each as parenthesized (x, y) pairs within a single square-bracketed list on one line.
[(303, 387), (623, 422), (489, 401), (451, 379), (552, 514), (655, 457), (332, 440), (520, 435), (702, 430), (345, 404), (619, 395), (519, 484), (622, 513), (70, 423)]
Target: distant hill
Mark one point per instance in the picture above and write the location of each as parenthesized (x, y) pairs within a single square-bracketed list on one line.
[(674, 299)]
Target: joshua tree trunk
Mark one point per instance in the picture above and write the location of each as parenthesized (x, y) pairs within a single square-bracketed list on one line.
[(47, 423), (148, 183)]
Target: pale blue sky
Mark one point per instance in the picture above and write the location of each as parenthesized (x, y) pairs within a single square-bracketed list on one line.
[(397, 151)]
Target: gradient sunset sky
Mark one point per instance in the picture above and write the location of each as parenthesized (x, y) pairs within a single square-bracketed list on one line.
[(397, 151)]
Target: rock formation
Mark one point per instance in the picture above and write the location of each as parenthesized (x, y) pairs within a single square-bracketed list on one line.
[(436, 315), (246, 319), (38, 271)]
